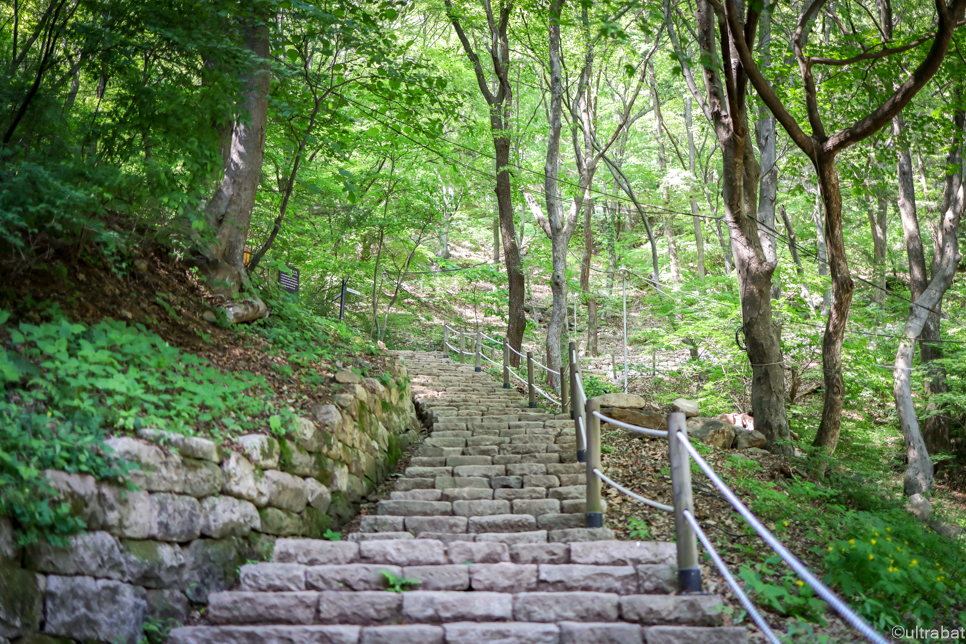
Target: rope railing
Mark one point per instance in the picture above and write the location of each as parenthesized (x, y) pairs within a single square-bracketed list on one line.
[(587, 416)]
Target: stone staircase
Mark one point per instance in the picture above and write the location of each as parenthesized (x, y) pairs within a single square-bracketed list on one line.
[(486, 527)]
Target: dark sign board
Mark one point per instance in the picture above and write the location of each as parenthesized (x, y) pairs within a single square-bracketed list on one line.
[(289, 282)]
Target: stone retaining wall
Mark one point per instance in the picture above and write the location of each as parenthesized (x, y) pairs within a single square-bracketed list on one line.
[(199, 511)]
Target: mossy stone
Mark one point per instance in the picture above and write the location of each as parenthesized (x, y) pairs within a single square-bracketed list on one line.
[(21, 602)]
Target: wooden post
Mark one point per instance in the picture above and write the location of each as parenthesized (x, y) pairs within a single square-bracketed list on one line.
[(445, 340), (593, 515), (565, 385), (577, 404), (506, 365), (462, 344), (533, 392), (479, 350), (689, 574)]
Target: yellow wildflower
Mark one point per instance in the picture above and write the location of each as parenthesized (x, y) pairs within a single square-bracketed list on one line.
[(914, 562), (873, 542), (802, 583), (871, 557)]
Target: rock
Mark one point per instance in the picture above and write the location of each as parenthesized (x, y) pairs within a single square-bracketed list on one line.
[(418, 552), (471, 552), (622, 553), (299, 462), (947, 530), (347, 377), (21, 601), (920, 506), (80, 491), (212, 566), (261, 450), (310, 552), (156, 471), (126, 513), (210, 316), (9, 551), (102, 610), (641, 418), (503, 577), (505, 633), (448, 607), (225, 516), (153, 564), (272, 577), (366, 607), (242, 481), (745, 438), (317, 495), (711, 431), (689, 407), (449, 577), (190, 446), (692, 610), (328, 417), (624, 401), (201, 478), (175, 517), (94, 554), (285, 491), (758, 451), (281, 523), (403, 634), (569, 607), (167, 607), (307, 435)]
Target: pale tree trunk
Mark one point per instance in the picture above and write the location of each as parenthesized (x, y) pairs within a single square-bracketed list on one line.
[(585, 277), (765, 134), (229, 212), (792, 240), (500, 103), (726, 109), (919, 470), (672, 249), (496, 240), (698, 236)]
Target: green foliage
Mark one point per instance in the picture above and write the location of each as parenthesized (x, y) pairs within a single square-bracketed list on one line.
[(332, 535), (31, 442), (787, 595), (639, 529), (396, 584), (131, 378), (595, 386)]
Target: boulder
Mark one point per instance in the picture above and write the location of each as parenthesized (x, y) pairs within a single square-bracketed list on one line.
[(327, 417), (154, 470), (175, 517), (9, 551), (242, 481), (711, 431), (261, 450), (947, 530), (225, 516), (101, 610), (153, 564), (127, 513), (80, 491), (347, 377), (201, 478), (21, 601), (190, 446), (94, 554), (641, 418), (317, 495), (298, 461), (689, 407), (625, 401), (748, 438), (307, 435), (285, 491), (212, 566), (167, 606), (281, 523), (920, 506)]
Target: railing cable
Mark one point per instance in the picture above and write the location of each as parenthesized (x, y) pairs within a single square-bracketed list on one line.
[(654, 504)]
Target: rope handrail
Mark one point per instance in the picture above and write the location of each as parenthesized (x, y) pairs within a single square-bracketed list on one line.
[(735, 586), (499, 342), (485, 357), (465, 333), (546, 368), (654, 504), (522, 355), (660, 433), (793, 562), (583, 429), (456, 350), (545, 395), (517, 376)]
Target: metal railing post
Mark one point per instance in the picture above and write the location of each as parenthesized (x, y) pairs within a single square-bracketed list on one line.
[(689, 574), (506, 365), (445, 340), (577, 404), (565, 385), (462, 344), (593, 514), (479, 350), (532, 391)]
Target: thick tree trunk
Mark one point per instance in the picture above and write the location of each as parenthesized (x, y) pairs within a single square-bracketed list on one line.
[(229, 212), (765, 134), (517, 322), (842, 288), (698, 236), (585, 277)]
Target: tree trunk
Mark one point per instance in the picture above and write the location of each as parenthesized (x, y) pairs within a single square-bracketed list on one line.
[(919, 471), (822, 247), (877, 223), (842, 288), (698, 236), (516, 320), (765, 134), (585, 277), (792, 240), (229, 212), (496, 240), (672, 249)]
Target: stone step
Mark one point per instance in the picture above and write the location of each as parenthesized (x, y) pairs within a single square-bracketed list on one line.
[(461, 633)]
